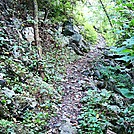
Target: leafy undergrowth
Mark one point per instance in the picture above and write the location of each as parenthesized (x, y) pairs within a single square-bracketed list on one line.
[(108, 105), (27, 102)]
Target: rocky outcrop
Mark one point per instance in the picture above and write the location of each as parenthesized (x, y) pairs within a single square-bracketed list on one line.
[(76, 41)]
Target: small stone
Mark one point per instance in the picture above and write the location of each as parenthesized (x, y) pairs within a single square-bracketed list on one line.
[(66, 128), (2, 82), (86, 73), (100, 84), (9, 93), (97, 74)]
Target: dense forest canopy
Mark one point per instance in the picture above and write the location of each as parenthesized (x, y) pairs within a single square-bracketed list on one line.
[(67, 66)]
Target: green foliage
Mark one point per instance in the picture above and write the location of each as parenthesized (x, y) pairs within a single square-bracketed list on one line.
[(100, 105), (123, 21), (36, 120), (124, 28), (126, 50), (55, 62), (5, 123), (6, 126), (89, 122), (127, 93), (115, 75), (57, 10), (91, 118), (98, 114), (89, 33), (80, 17)]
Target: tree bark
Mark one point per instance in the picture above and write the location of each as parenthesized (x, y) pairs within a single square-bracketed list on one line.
[(37, 39), (36, 30)]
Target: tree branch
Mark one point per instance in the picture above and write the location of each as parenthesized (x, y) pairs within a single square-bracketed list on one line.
[(106, 13)]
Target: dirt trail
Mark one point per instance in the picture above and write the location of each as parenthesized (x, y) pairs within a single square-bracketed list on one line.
[(73, 87)]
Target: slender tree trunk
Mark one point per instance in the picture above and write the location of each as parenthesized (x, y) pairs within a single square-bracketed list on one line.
[(36, 30), (37, 39), (106, 13)]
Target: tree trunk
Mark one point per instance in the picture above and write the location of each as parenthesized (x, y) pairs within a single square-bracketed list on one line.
[(36, 30), (37, 39)]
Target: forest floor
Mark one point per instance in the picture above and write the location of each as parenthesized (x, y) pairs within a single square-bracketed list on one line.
[(74, 88)]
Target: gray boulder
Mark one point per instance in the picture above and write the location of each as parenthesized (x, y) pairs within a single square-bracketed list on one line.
[(76, 40), (68, 29)]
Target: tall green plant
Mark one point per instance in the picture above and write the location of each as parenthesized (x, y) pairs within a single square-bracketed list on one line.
[(124, 28)]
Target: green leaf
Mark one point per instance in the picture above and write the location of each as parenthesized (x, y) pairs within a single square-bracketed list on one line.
[(119, 8), (1, 38), (129, 4), (127, 93), (127, 51), (126, 58), (132, 22)]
